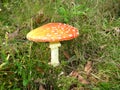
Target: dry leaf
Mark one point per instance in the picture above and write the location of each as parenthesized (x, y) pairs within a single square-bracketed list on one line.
[(66, 54), (88, 67), (51, 87), (74, 74), (41, 87), (82, 80), (12, 35), (28, 87), (79, 77), (39, 17), (39, 69)]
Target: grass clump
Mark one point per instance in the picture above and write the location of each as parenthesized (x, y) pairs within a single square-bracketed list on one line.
[(24, 64)]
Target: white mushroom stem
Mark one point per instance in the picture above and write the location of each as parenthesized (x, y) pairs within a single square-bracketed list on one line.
[(54, 53)]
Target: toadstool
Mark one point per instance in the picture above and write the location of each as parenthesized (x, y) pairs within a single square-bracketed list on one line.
[(53, 33)]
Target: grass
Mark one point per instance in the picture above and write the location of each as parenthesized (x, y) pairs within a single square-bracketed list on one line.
[(25, 64)]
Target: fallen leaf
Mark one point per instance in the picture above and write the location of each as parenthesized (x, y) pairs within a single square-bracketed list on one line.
[(82, 80), (51, 87), (39, 17), (74, 74), (66, 54), (39, 69), (41, 87), (79, 77), (88, 67), (12, 35), (28, 87)]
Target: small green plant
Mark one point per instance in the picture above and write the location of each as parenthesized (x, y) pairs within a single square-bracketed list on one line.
[(70, 13)]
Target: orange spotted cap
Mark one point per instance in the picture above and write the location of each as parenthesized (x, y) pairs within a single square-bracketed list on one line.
[(53, 32)]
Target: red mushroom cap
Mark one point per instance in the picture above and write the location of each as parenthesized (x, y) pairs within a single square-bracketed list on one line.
[(53, 32)]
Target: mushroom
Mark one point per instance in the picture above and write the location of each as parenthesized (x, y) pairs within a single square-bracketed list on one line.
[(53, 33)]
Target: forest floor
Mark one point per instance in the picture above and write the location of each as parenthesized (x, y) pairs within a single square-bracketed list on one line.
[(89, 62)]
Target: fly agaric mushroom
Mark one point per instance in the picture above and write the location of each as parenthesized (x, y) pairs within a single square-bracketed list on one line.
[(53, 33)]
